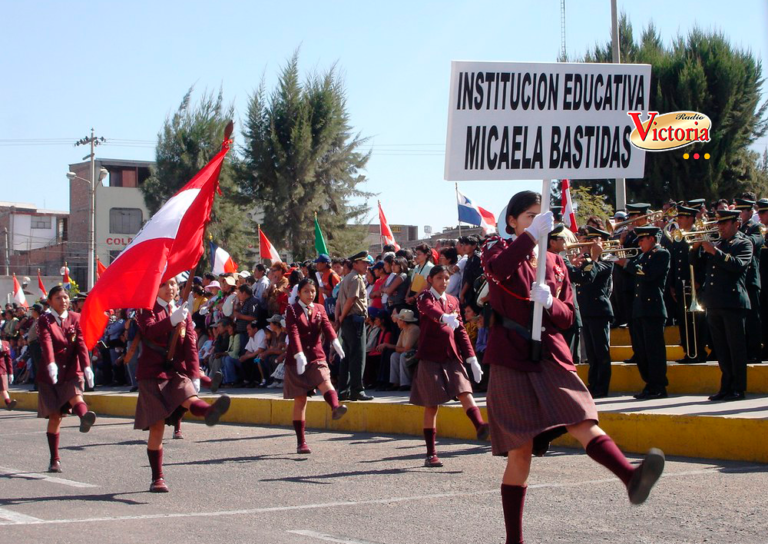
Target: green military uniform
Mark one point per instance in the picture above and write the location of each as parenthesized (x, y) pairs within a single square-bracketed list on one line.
[(725, 297), (762, 206), (649, 315), (753, 328)]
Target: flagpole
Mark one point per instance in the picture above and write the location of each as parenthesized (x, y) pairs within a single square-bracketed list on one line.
[(258, 231), (456, 185), (538, 309), (381, 229)]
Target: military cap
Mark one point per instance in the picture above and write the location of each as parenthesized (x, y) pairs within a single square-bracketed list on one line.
[(743, 204), (594, 232), (687, 212), (362, 256), (558, 231), (696, 203), (762, 205), (557, 212), (640, 208), (727, 215), (648, 230)]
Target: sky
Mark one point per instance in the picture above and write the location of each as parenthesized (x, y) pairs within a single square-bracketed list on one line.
[(123, 67)]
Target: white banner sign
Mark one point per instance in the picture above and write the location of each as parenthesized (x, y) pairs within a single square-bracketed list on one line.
[(516, 120)]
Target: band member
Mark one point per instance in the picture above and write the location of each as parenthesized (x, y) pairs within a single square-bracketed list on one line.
[(592, 278), (649, 314), (440, 375), (762, 212), (754, 234), (637, 214), (306, 368), (529, 402), (165, 390), (683, 286), (725, 297), (67, 366), (6, 374)]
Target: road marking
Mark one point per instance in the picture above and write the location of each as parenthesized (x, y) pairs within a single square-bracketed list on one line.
[(20, 474), (15, 517), (391, 500), (332, 538)]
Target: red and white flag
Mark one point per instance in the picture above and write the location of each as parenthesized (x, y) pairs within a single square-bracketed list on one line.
[(387, 238), (100, 268), (41, 285), (18, 293), (221, 261), (64, 271), (170, 243), (569, 218), (266, 249)]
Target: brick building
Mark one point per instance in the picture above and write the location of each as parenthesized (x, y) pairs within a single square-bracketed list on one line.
[(32, 238)]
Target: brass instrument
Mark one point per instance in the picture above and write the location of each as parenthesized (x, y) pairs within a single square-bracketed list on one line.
[(651, 216), (616, 253), (700, 232), (574, 250), (693, 308), (697, 236)]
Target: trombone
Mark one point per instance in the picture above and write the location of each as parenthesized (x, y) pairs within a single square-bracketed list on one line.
[(693, 309), (700, 233), (651, 216)]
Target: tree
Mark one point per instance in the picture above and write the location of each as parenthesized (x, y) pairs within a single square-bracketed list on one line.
[(300, 157), (189, 139), (587, 203), (700, 72)]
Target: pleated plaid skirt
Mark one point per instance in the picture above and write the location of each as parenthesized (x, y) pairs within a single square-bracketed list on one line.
[(524, 405), (54, 399), (295, 385), (158, 399), (437, 383)]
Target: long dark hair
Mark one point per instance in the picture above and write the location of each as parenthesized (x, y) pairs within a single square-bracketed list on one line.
[(519, 203)]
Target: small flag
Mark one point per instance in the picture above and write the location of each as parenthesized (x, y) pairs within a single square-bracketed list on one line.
[(266, 249), (569, 218), (471, 213), (320, 246), (18, 293), (65, 283), (41, 285), (221, 261), (100, 268), (387, 238)]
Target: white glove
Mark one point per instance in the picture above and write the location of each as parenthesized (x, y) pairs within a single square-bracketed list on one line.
[(542, 225), (477, 372), (191, 299), (179, 314), (10, 379), (452, 320), (89, 376), (53, 372), (196, 383), (337, 348), (542, 295), (301, 363)]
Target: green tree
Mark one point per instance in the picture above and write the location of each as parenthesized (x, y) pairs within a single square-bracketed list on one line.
[(189, 139), (301, 157), (699, 72)]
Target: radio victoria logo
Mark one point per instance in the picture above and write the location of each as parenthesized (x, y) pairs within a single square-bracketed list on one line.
[(669, 130)]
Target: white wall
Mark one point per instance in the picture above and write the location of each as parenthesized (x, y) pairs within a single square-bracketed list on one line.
[(25, 237)]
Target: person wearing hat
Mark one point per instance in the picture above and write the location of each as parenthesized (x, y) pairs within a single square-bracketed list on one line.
[(405, 348), (558, 243), (762, 213), (726, 299), (531, 402), (165, 388), (751, 229), (327, 279), (682, 288), (591, 278), (351, 311), (6, 374), (306, 368), (443, 350), (649, 313)]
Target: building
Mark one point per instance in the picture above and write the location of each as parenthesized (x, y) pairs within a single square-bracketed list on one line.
[(403, 235), (120, 211), (32, 238)]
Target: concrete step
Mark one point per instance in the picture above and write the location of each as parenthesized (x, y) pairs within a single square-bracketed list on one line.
[(620, 336), (623, 353)]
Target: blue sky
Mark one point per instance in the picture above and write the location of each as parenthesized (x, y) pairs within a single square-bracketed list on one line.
[(122, 67)]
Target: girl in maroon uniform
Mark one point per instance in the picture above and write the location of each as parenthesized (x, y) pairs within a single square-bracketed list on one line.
[(65, 367), (443, 348), (305, 366), (532, 402), (6, 374), (165, 388)]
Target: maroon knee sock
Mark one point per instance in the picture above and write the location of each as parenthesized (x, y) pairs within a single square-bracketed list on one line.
[(79, 409), (332, 398), (199, 408), (429, 438), (156, 463), (475, 417), (53, 445), (512, 501), (7, 401), (605, 451), (299, 427)]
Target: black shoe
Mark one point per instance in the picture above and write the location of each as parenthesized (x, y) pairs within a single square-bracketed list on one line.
[(657, 395), (87, 421), (596, 396), (404, 388), (55, 466), (216, 380), (718, 396), (642, 395), (134, 389), (344, 395), (218, 409), (360, 396), (734, 396), (645, 476), (754, 361), (11, 405)]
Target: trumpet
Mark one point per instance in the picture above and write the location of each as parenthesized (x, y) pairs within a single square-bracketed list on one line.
[(651, 216), (574, 250), (616, 253), (697, 236)]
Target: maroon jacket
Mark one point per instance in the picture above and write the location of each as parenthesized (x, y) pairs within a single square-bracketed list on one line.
[(437, 342), (508, 269), (305, 334), (63, 345), (6, 365), (156, 335)]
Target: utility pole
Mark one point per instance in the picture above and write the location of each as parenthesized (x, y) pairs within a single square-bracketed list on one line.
[(7, 253), (621, 185), (93, 141)]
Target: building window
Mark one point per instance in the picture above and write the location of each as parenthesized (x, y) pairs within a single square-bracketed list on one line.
[(125, 220), (41, 222), (113, 253)]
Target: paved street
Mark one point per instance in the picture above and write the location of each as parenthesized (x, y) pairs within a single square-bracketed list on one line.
[(236, 483)]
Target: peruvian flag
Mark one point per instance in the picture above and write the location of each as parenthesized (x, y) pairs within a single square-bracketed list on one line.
[(221, 261), (18, 293), (471, 213), (569, 218), (100, 268), (65, 283), (266, 249), (170, 243), (387, 238), (41, 285)]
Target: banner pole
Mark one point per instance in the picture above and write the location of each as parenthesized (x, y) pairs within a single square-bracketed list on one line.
[(541, 270), (456, 185)]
